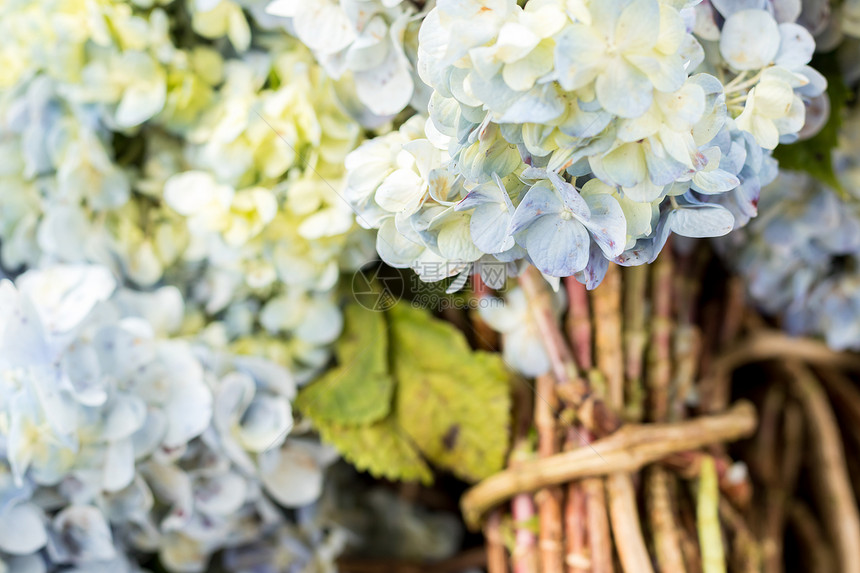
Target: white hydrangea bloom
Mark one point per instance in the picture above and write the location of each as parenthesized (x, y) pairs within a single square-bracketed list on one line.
[(534, 102), (360, 40)]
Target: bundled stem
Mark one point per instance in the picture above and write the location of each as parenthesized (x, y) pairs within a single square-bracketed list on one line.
[(833, 486), (624, 515), (549, 500), (497, 561), (540, 304), (708, 518), (635, 339), (661, 517), (579, 322), (816, 550), (625, 525), (524, 557), (607, 336), (627, 450)]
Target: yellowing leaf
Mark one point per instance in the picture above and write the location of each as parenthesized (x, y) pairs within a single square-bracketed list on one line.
[(359, 390), (380, 448), (450, 407), (452, 402)]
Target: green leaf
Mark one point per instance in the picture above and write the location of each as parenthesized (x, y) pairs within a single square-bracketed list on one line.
[(380, 448), (359, 390), (452, 402), (814, 155), (451, 405)]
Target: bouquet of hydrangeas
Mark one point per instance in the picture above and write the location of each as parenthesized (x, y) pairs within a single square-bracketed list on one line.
[(188, 188)]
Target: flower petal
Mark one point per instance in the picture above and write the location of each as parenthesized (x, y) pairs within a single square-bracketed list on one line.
[(623, 90), (22, 529), (539, 201), (700, 221), (749, 39), (292, 474), (558, 247)]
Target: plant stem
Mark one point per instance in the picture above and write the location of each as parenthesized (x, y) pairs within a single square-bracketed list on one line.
[(607, 336), (538, 296), (708, 519), (774, 345), (626, 531), (548, 499), (599, 538), (579, 322), (497, 560), (572, 389), (635, 338), (816, 548), (661, 517), (485, 338), (660, 359), (627, 450), (830, 472), (623, 513), (746, 554), (524, 554), (577, 559)]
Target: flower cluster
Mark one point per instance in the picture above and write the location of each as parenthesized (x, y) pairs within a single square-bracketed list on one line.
[(573, 134), (801, 258), (119, 432), (368, 45), (170, 212), (219, 175)]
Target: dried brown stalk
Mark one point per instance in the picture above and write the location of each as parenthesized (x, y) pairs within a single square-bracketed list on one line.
[(661, 515), (576, 558), (817, 552), (485, 338), (524, 558), (733, 311), (829, 471), (776, 461), (774, 345), (661, 518), (599, 540), (628, 450), (688, 465), (845, 396), (549, 500), (579, 322), (497, 559), (572, 389), (588, 544), (660, 359), (623, 513), (746, 554), (635, 339), (524, 554), (606, 301), (689, 534), (538, 295), (687, 350), (625, 524)]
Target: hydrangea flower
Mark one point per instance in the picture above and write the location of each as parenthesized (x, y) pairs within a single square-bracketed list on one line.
[(362, 42), (207, 175), (648, 98), (108, 408), (799, 259)]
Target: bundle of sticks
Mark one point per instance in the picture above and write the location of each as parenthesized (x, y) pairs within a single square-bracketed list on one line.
[(621, 457)]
